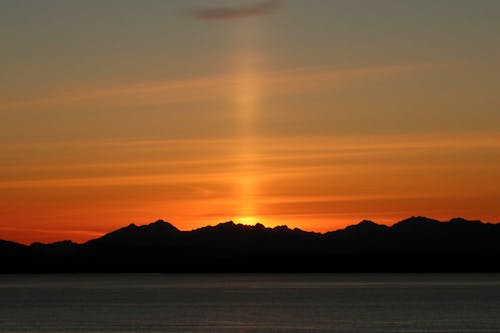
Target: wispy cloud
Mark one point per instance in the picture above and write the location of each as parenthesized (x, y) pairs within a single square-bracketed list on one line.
[(278, 159), (275, 82), (234, 12)]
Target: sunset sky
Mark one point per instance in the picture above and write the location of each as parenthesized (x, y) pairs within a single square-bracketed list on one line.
[(315, 114)]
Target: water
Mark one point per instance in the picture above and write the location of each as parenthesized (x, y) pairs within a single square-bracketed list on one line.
[(250, 303)]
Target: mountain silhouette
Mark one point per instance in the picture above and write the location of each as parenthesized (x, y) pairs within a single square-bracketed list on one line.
[(414, 244), (156, 233)]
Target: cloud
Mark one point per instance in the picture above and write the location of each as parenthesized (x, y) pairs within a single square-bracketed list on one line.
[(278, 160), (235, 12), (274, 82)]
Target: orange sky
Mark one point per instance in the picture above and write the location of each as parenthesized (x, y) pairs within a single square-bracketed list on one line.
[(78, 190), (279, 115)]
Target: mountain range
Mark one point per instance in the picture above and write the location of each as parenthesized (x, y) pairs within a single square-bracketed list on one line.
[(417, 244)]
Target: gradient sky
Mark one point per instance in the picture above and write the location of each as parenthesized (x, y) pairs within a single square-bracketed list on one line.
[(314, 114)]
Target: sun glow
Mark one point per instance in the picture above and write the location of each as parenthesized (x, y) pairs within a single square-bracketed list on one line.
[(247, 220)]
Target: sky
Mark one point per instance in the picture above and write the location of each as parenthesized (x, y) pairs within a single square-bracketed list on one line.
[(314, 114)]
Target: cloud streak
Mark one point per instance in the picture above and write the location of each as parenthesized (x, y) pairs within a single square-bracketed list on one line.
[(275, 82), (235, 12), (279, 159)]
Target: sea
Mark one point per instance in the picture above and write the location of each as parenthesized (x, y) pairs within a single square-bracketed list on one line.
[(250, 303)]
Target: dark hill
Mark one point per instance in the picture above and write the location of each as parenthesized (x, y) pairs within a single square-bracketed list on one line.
[(414, 244), (11, 248), (153, 234)]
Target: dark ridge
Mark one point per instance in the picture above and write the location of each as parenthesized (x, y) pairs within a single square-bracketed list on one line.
[(416, 244), (155, 233), (460, 220), (365, 226), (10, 246), (415, 222), (64, 243), (61, 246)]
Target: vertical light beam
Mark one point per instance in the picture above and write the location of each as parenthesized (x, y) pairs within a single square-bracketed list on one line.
[(247, 96)]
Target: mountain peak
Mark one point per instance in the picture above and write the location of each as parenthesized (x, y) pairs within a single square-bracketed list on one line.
[(161, 225), (458, 220), (160, 221), (228, 223), (414, 220), (365, 225), (153, 233), (461, 220)]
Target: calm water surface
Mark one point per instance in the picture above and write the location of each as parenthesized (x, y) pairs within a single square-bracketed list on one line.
[(250, 303)]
